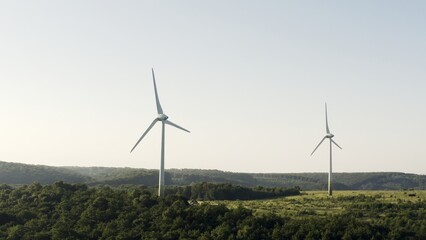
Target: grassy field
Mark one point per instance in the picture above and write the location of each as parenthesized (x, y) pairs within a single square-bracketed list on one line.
[(316, 203)]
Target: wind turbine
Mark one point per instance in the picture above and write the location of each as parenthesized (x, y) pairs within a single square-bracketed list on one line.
[(330, 136), (163, 118)]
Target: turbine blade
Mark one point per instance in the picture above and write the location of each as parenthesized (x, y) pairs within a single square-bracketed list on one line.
[(143, 135), (336, 144), (159, 109), (176, 126), (326, 119), (318, 145)]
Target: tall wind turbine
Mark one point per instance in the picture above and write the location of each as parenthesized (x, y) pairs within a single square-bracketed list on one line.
[(330, 136), (163, 118)]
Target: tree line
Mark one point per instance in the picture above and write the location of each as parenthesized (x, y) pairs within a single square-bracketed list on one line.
[(227, 191)]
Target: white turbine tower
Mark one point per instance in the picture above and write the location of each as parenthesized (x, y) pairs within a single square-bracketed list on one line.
[(330, 136), (164, 120)]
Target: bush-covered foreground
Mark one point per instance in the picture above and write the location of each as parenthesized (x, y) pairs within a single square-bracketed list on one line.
[(64, 211), (348, 215)]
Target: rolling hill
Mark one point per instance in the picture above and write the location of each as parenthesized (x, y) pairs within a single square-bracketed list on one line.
[(18, 174)]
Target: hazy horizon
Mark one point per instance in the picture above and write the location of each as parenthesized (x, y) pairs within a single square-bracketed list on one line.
[(249, 79), (204, 169)]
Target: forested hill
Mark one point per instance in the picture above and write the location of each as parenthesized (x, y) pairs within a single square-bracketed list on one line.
[(16, 173), (306, 181)]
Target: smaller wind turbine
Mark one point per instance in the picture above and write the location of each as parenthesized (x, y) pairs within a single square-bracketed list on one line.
[(330, 136), (164, 120)]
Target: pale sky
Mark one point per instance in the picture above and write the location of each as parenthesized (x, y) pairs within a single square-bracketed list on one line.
[(248, 78)]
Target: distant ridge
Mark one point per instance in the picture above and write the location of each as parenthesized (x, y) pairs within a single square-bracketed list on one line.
[(18, 174)]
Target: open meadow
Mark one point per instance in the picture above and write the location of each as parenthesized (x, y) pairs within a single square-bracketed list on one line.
[(364, 204), (347, 215)]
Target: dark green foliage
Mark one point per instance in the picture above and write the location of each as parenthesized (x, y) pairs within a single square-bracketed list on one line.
[(226, 191), (74, 211)]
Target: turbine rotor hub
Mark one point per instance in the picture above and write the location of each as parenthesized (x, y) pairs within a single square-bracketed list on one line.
[(162, 117), (329, 135)]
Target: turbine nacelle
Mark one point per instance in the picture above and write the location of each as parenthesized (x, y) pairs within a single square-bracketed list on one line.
[(329, 135), (162, 117)]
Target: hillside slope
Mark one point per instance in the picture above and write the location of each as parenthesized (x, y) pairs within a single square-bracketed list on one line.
[(17, 173)]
